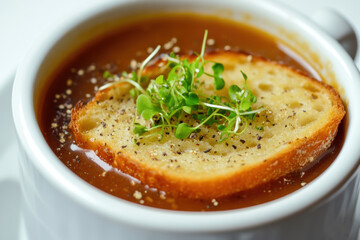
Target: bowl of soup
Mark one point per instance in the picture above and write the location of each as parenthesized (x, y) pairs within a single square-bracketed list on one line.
[(71, 193)]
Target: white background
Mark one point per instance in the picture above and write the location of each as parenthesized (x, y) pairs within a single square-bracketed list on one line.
[(24, 21)]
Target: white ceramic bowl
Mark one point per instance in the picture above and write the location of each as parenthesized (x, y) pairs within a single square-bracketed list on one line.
[(59, 205)]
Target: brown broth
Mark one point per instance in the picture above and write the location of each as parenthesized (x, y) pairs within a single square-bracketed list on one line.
[(79, 79)]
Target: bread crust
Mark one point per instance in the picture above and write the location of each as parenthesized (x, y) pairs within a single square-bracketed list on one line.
[(292, 156)]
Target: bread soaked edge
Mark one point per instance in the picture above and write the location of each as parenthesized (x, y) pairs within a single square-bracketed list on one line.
[(291, 158)]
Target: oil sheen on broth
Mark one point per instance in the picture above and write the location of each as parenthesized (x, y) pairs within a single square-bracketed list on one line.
[(122, 50)]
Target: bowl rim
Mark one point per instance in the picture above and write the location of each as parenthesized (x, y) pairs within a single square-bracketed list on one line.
[(46, 162)]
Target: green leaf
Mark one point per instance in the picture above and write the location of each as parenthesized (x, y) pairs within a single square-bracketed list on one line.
[(201, 71), (134, 76), (160, 79), (143, 102), (199, 116), (253, 98), (185, 63), (183, 131), (192, 100), (232, 115), (210, 121), (107, 74), (172, 77), (250, 116), (219, 82), (149, 113), (221, 127), (218, 68), (132, 93), (187, 80), (145, 107), (245, 106), (187, 109), (244, 75), (233, 90), (164, 93), (151, 88), (139, 129), (144, 79)]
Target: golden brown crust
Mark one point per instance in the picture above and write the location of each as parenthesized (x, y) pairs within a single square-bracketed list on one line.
[(293, 156)]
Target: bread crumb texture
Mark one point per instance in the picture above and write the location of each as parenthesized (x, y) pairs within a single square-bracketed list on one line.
[(300, 122)]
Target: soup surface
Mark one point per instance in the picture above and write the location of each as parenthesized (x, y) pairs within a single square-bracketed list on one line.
[(80, 77)]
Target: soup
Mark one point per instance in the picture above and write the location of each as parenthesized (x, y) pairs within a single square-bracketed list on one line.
[(80, 77)]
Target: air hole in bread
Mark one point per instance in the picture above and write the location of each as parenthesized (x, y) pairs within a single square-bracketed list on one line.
[(287, 88), (266, 87), (311, 88), (314, 96), (306, 120), (229, 66), (86, 124), (295, 104), (319, 108), (251, 144), (271, 72), (268, 134)]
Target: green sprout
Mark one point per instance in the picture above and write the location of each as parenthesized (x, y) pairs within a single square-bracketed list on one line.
[(168, 100)]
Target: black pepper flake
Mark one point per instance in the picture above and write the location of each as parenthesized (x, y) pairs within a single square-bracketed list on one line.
[(259, 137), (258, 146), (213, 136), (234, 147), (178, 152), (226, 144), (242, 141), (207, 150), (138, 143), (124, 146), (201, 137), (164, 154)]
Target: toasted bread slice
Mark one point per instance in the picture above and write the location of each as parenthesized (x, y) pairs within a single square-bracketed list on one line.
[(300, 122)]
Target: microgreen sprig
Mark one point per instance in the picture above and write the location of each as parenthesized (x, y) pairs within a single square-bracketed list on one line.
[(168, 101)]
